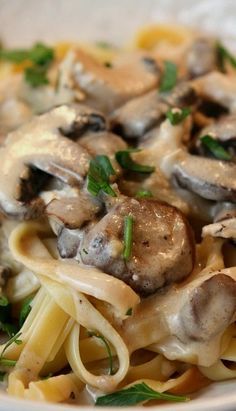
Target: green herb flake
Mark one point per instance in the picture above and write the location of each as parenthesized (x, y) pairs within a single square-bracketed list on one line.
[(142, 193), (177, 115), (41, 54), (215, 148), (85, 251), (103, 339), (128, 237), (38, 54), (7, 363), (15, 55), (36, 76), (104, 45), (169, 77), (129, 312), (100, 170), (126, 162), (3, 301), (136, 394), (25, 310), (224, 55)]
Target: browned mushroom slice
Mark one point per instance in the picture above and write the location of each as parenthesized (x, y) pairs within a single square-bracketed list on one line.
[(223, 130), (87, 119), (217, 87), (107, 88), (201, 57), (138, 115), (211, 179), (73, 212), (141, 114), (162, 248), (40, 144), (210, 308)]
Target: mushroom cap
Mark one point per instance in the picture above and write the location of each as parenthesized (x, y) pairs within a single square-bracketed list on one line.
[(211, 179), (162, 249)]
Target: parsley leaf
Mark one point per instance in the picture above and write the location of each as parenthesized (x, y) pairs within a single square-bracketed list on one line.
[(103, 339), (128, 237), (126, 162), (169, 76), (25, 310), (224, 55), (177, 115), (215, 148), (15, 55), (100, 170), (41, 54), (38, 54), (135, 394)]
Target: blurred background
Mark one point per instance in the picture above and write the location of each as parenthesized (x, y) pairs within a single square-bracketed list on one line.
[(24, 21)]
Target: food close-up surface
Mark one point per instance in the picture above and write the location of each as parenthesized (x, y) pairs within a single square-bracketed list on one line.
[(118, 218)]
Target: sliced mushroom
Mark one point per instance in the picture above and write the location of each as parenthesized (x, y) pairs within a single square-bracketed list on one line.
[(162, 249), (201, 57), (4, 274), (217, 87), (211, 179), (223, 130), (87, 119), (105, 143), (141, 114), (107, 88), (223, 229), (188, 321), (73, 212), (68, 242), (210, 308), (40, 144)]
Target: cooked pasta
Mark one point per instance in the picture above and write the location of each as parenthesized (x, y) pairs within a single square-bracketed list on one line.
[(117, 238)]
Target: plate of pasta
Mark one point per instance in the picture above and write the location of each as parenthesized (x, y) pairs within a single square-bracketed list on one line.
[(117, 205)]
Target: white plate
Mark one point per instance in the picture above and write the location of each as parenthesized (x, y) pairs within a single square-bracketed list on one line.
[(25, 21)]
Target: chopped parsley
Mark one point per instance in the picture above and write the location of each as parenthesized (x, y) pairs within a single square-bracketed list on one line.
[(124, 159), (142, 193), (136, 394), (129, 311), (169, 77), (128, 237), (177, 115), (103, 339), (100, 170), (25, 310), (224, 55), (39, 55), (215, 148)]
